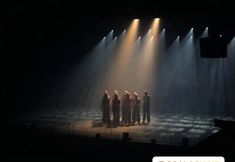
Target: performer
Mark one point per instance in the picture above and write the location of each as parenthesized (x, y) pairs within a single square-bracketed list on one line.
[(136, 109), (128, 108), (124, 107), (116, 109), (105, 107), (146, 107)]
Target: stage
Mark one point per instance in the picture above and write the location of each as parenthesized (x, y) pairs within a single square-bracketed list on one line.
[(168, 129)]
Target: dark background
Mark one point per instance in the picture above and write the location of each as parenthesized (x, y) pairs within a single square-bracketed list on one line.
[(43, 40)]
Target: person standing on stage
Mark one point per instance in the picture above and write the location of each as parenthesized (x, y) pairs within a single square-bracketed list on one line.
[(128, 108), (136, 109), (124, 107), (116, 109), (146, 107), (105, 107)]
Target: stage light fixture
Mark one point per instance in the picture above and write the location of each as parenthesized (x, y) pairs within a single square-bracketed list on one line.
[(136, 20)]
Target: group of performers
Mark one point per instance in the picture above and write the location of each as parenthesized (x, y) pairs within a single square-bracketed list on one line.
[(129, 108)]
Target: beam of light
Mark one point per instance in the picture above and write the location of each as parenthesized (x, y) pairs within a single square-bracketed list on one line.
[(121, 37), (126, 47), (137, 47), (191, 32), (87, 80), (148, 55), (162, 39), (165, 77), (204, 33), (185, 73), (178, 73), (103, 73), (161, 48), (231, 50), (155, 27), (187, 37), (83, 74), (230, 76), (110, 36), (99, 74), (123, 54)]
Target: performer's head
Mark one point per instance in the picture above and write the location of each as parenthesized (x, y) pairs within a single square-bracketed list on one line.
[(106, 94), (136, 95), (127, 94), (146, 93), (116, 94)]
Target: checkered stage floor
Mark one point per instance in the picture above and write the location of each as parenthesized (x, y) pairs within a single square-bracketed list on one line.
[(167, 129)]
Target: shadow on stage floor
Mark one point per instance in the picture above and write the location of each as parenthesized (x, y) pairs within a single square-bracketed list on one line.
[(170, 129)]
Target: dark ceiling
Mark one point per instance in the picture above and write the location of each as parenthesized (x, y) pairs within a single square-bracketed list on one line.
[(128, 8), (44, 39)]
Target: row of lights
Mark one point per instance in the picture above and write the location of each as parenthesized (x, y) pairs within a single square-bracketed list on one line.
[(163, 30)]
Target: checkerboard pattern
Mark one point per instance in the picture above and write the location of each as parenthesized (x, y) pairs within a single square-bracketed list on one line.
[(167, 129)]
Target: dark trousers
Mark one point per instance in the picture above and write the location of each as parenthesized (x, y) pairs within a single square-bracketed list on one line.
[(136, 116), (116, 117), (106, 116), (128, 116), (123, 114), (146, 113)]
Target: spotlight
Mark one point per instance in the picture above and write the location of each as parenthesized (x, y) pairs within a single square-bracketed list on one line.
[(220, 35), (136, 20), (178, 37), (206, 28), (191, 30), (157, 19)]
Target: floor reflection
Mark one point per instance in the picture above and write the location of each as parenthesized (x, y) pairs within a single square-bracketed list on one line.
[(165, 128)]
